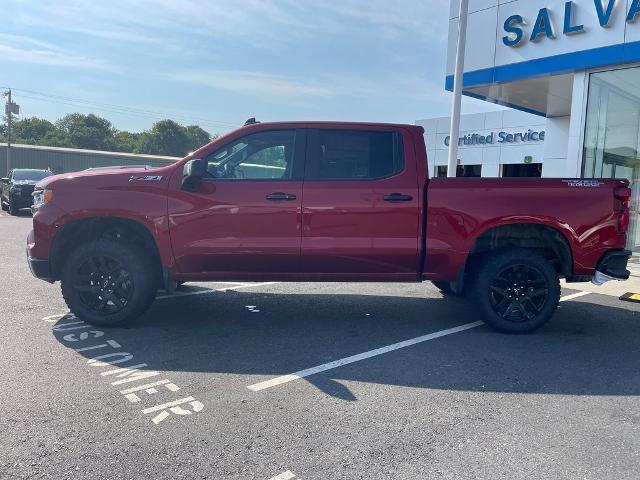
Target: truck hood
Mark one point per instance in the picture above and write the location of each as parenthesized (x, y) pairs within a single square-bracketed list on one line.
[(105, 177)]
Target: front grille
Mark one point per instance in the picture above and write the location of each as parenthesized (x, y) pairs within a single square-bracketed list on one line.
[(26, 190)]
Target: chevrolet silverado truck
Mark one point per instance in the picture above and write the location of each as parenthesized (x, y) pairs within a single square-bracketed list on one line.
[(324, 202)]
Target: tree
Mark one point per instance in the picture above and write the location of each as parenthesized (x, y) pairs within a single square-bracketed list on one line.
[(166, 137), (126, 141), (56, 138), (197, 137), (32, 131), (77, 130), (87, 131)]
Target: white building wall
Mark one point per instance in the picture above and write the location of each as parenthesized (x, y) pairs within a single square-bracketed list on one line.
[(490, 156), (555, 148)]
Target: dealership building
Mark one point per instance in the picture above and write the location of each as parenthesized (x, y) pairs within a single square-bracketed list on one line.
[(506, 143), (575, 65)]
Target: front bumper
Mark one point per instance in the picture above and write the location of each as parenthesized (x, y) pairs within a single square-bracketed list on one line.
[(614, 264), (40, 268)]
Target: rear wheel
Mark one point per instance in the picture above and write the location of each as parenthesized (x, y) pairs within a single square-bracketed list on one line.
[(12, 210), (516, 290), (108, 282)]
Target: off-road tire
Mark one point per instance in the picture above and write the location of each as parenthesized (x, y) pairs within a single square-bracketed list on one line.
[(138, 283), (525, 280)]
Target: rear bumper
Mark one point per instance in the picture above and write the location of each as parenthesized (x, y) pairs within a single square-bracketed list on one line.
[(614, 264), (40, 268)]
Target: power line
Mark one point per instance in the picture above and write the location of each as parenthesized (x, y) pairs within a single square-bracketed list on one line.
[(131, 111), (128, 113)]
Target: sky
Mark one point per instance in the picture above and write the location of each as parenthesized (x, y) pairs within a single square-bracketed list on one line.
[(218, 62)]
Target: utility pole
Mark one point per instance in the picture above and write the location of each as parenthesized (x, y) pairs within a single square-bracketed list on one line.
[(9, 109), (454, 132)]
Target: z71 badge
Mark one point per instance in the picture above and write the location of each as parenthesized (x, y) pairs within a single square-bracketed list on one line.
[(146, 178)]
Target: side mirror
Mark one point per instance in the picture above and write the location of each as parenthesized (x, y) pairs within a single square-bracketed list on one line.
[(192, 173)]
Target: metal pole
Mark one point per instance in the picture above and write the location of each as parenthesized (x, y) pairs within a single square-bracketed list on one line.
[(454, 132), (9, 119)]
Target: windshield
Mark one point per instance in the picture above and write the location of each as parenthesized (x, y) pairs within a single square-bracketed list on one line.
[(34, 175)]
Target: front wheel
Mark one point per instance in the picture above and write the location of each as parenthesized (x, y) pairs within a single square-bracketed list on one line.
[(516, 290), (108, 282)]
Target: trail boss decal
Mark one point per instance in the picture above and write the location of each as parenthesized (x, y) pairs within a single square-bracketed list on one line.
[(584, 183), (146, 178)]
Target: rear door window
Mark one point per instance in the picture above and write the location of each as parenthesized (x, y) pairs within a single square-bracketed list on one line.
[(354, 155)]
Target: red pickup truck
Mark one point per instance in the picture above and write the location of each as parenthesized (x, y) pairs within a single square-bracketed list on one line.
[(323, 201)]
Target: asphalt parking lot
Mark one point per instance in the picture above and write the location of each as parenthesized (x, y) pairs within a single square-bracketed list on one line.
[(312, 381)]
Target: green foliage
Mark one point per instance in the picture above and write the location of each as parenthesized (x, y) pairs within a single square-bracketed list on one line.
[(31, 130), (87, 131), (197, 137), (77, 130), (168, 137), (273, 157), (127, 141)]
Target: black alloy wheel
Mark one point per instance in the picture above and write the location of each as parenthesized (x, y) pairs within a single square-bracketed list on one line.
[(518, 293), (103, 284), (517, 290), (109, 282)]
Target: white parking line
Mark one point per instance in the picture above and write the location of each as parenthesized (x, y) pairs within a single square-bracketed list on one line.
[(574, 295), (55, 318), (373, 353), (211, 290), (288, 475), (359, 357)]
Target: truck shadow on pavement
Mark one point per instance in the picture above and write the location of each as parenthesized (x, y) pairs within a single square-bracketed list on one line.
[(587, 349)]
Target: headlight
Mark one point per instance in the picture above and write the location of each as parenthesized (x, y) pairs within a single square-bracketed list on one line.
[(41, 198)]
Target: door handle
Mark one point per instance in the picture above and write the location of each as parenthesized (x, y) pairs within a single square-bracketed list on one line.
[(397, 197), (281, 197)]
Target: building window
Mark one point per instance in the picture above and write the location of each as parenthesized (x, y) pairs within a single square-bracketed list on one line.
[(612, 135), (517, 170), (468, 171)]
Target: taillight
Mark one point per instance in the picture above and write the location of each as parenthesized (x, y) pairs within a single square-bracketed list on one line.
[(623, 194), (623, 218)]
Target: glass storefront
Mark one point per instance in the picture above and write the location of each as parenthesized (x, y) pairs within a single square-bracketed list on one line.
[(612, 136)]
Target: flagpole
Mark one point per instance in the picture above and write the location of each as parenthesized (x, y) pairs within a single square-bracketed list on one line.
[(454, 132)]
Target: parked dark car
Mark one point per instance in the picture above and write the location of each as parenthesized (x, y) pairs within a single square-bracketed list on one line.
[(17, 188)]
